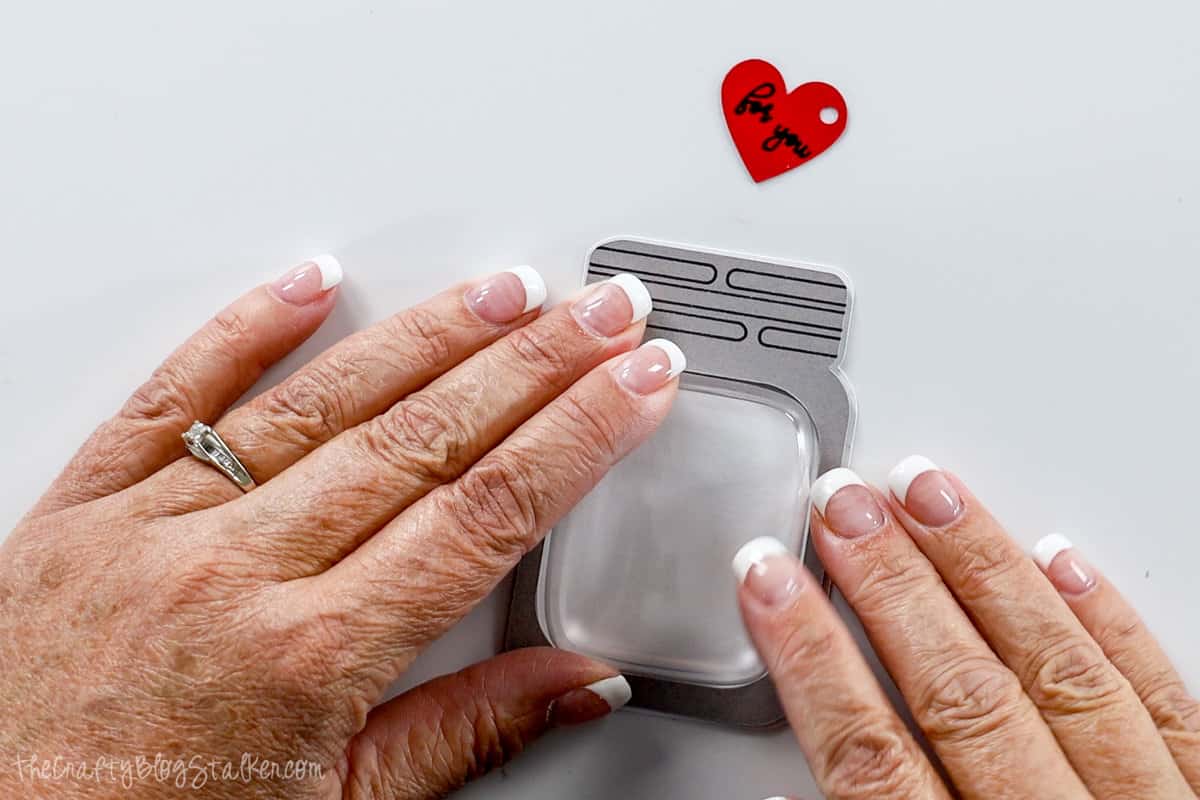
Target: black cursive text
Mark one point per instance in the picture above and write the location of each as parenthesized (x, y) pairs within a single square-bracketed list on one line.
[(751, 102), (783, 136)]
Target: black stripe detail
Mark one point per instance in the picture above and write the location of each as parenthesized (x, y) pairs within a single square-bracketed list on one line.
[(764, 343), (814, 281), (742, 338), (597, 270), (693, 333), (611, 249), (636, 271), (758, 316)]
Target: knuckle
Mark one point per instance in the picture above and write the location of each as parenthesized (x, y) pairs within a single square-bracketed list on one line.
[(163, 399), (427, 334), (1170, 705), (871, 756), (496, 504), (890, 583), (307, 406), (1123, 635), (423, 437), (449, 747), (1072, 676), (801, 648), (540, 351), (983, 564), (228, 329), (969, 699), (482, 735), (374, 769), (595, 428)]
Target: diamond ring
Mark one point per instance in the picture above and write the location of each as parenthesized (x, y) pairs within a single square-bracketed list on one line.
[(206, 444)]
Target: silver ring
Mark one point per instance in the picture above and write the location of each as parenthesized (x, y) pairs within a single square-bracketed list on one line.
[(207, 445)]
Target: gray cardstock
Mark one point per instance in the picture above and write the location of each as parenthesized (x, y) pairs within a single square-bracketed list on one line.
[(740, 319)]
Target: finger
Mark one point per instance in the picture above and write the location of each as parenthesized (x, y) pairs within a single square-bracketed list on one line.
[(433, 739), (355, 485), (972, 708), (855, 744), (356, 379), (438, 559), (198, 382), (1130, 646), (1103, 727)]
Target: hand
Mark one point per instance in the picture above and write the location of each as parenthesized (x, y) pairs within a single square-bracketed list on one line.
[(148, 607), (1027, 685)]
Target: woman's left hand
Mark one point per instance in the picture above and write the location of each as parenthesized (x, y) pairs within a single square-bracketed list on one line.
[(148, 607)]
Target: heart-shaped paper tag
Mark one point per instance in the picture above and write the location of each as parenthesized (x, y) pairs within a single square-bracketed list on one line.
[(774, 130)]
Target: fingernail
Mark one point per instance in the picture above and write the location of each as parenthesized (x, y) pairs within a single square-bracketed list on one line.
[(924, 492), (305, 283), (507, 295), (769, 571), (1067, 570), (590, 702), (846, 504), (612, 306), (650, 366)]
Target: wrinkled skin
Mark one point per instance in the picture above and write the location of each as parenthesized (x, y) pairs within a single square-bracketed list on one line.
[(1026, 682), (148, 607)]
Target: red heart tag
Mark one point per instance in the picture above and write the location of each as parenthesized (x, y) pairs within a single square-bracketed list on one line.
[(773, 130)]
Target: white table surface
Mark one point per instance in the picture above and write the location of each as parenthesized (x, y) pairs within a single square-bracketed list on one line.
[(1016, 199)]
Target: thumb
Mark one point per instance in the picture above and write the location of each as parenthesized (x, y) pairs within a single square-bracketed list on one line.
[(432, 739)]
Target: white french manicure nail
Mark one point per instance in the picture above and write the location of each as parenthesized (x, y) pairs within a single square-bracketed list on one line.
[(615, 691), (535, 286), (331, 270), (830, 483), (1048, 547), (674, 355), (907, 471), (636, 291), (754, 552)]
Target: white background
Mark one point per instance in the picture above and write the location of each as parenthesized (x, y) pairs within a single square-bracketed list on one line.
[(1016, 199)]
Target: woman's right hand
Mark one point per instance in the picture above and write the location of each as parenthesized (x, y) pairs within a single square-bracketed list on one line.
[(1027, 682)]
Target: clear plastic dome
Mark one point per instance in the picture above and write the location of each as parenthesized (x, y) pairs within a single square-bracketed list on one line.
[(639, 575)]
